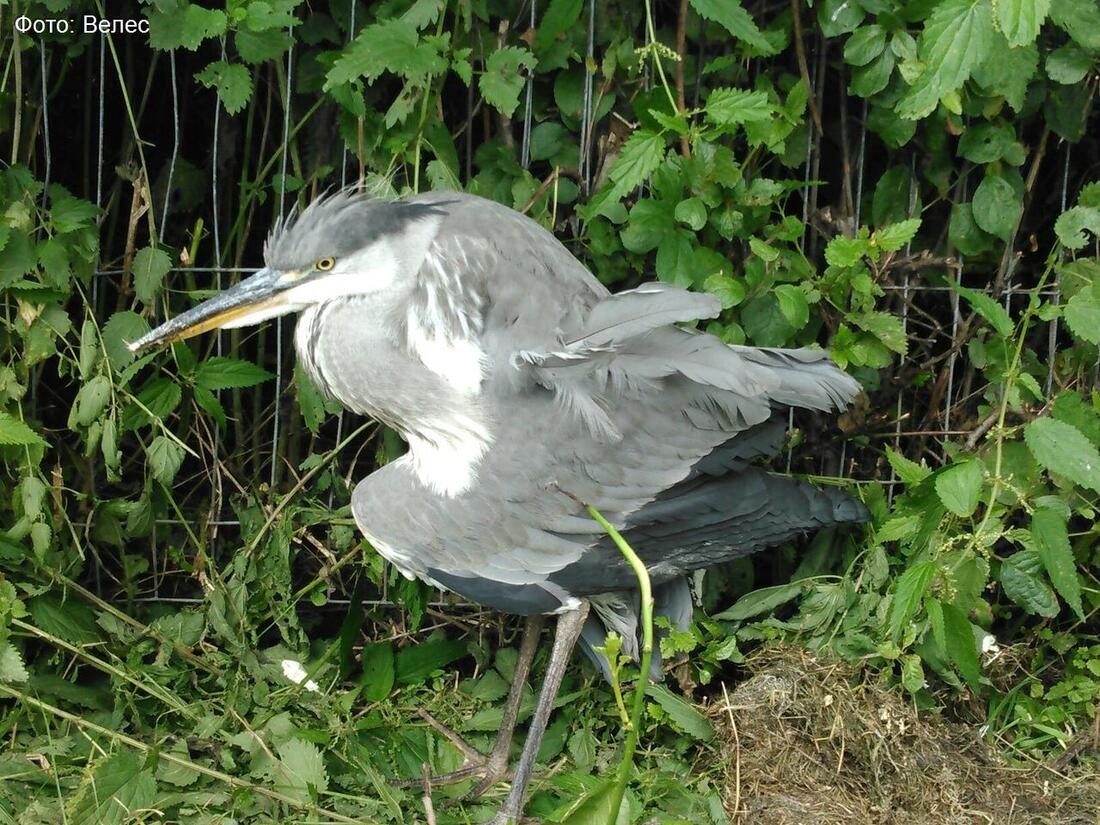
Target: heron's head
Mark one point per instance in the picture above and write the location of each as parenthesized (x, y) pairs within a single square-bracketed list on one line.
[(341, 245)]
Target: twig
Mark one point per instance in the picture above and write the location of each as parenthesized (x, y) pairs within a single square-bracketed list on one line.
[(429, 809), (976, 436), (681, 44), (803, 67), (736, 755)]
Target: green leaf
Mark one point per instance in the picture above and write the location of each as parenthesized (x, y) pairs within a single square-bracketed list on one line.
[(187, 26), (12, 668), (1020, 20), (261, 46), (1048, 531), (232, 82), (729, 291), (118, 788), (895, 236), (300, 772), (502, 81), (1080, 19), (1082, 314), (150, 266), (1008, 72), (885, 327), (907, 595), (378, 672), (393, 46), (793, 304), (559, 17), (682, 715), (865, 44), (912, 673), (997, 207), (1071, 408), (1072, 224), (417, 662), (964, 233), (990, 310), (910, 472), (222, 373), (987, 142), (962, 649), (92, 400), (957, 37), (53, 257), (692, 212), (730, 107), (731, 16), (14, 431), (641, 155), (120, 329), (959, 487), (1022, 583), (1065, 451), (1068, 65), (164, 457), (760, 601), (845, 251)]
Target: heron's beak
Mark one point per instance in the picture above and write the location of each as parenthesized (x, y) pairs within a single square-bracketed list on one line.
[(252, 300)]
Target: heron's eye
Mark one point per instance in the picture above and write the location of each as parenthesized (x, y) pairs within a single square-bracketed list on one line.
[(324, 264)]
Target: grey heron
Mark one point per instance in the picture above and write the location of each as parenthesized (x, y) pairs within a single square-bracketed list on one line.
[(523, 386)]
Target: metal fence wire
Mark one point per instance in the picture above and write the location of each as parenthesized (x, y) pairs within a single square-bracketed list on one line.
[(100, 146)]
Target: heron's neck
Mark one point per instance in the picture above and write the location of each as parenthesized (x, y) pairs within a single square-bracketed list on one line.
[(426, 387)]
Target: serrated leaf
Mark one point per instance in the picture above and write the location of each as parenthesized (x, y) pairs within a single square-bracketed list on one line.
[(957, 37), (210, 403), (844, 251), (14, 431), (729, 107), (118, 332), (416, 663), (990, 310), (996, 206), (729, 291), (186, 25), (1020, 20), (641, 155), (1071, 408), (912, 673), (760, 601), (1022, 583), (12, 668), (232, 82), (959, 487), (149, 267), (92, 400), (910, 589), (261, 46), (164, 457), (731, 16), (961, 647), (682, 715), (692, 212), (910, 472), (793, 305), (559, 17), (1048, 531), (1080, 19), (895, 236), (1065, 451), (1082, 314), (393, 46), (502, 80), (223, 373), (118, 788), (300, 772), (1073, 223)]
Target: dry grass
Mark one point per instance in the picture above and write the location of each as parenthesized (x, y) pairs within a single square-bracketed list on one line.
[(813, 742)]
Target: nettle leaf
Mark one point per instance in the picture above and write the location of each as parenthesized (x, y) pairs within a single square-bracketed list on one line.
[(997, 207), (120, 329), (641, 155), (1065, 451), (990, 310), (959, 487), (1020, 20), (885, 327), (1070, 407), (845, 251), (1048, 532), (261, 46), (393, 46), (1022, 583), (910, 472), (895, 236), (731, 16), (119, 786), (221, 373), (682, 714), (1073, 223), (14, 431), (502, 81), (232, 82), (731, 107), (962, 648), (300, 772), (149, 268), (164, 457), (1082, 315), (957, 37), (12, 668), (187, 26), (908, 594)]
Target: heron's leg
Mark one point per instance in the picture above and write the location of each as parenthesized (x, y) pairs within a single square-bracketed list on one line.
[(491, 768), (565, 638)]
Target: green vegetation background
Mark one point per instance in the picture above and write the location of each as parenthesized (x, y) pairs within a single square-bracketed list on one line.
[(905, 183)]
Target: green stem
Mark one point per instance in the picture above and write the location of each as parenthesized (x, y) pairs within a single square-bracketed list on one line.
[(635, 727)]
